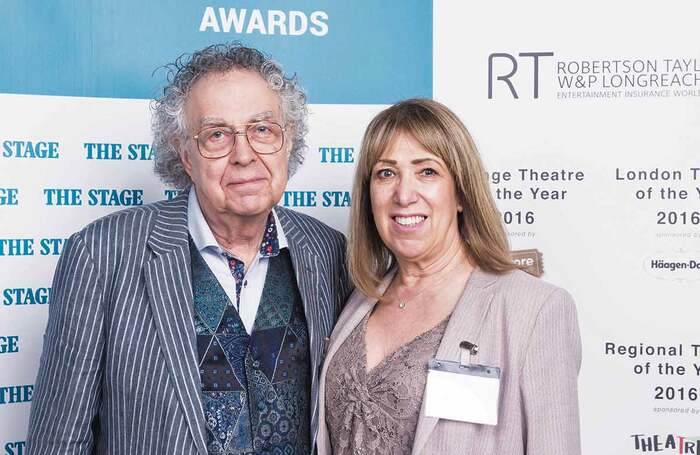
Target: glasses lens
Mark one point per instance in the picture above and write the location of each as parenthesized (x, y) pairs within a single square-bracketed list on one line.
[(265, 137), (216, 141)]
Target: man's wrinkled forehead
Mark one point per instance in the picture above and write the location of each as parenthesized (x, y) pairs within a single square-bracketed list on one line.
[(238, 95)]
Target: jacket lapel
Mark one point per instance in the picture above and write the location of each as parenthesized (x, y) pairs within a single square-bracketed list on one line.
[(315, 298), (356, 308), (465, 324), (305, 264), (169, 284)]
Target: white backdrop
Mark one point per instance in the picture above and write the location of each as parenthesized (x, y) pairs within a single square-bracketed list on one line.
[(598, 240)]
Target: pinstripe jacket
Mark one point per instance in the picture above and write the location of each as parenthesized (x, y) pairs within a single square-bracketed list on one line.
[(530, 331), (119, 373)]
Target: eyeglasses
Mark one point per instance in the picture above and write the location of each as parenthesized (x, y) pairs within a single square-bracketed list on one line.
[(265, 138)]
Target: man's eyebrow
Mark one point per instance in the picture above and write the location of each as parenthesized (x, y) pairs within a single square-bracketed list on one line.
[(267, 115), (206, 121)]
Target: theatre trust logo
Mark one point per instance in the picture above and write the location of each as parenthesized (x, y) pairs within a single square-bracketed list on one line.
[(665, 443), (544, 74)]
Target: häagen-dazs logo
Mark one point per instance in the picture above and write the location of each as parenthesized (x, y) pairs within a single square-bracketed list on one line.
[(679, 265), (666, 443)]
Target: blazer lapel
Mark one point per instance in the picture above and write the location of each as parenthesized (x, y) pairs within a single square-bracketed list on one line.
[(357, 308), (305, 264), (315, 297), (169, 285), (465, 324)]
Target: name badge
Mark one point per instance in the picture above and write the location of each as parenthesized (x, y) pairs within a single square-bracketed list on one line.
[(462, 391)]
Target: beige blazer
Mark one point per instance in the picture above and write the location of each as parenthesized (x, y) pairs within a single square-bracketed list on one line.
[(530, 331)]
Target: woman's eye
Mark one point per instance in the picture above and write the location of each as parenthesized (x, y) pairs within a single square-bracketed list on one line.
[(384, 173), (429, 172)]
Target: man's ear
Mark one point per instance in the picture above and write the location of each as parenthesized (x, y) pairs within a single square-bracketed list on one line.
[(179, 147), (289, 141)]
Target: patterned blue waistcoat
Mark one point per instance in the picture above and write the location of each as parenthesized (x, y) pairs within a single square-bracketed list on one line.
[(255, 388)]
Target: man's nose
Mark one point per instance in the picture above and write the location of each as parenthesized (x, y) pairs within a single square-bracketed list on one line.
[(242, 152)]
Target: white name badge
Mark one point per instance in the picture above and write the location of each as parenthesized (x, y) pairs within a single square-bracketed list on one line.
[(466, 393)]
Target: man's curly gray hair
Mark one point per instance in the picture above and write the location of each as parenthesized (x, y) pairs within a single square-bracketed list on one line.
[(168, 121)]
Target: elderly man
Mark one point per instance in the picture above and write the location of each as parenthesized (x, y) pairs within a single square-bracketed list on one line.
[(197, 325)]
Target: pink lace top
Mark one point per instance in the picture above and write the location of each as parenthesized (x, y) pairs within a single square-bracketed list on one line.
[(376, 412)]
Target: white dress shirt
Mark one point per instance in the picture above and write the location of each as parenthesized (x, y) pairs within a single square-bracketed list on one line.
[(255, 273)]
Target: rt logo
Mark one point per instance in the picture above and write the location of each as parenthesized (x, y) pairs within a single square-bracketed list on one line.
[(499, 57)]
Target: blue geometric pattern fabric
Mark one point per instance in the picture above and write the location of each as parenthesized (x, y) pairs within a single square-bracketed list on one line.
[(222, 342), (279, 372), (255, 388)]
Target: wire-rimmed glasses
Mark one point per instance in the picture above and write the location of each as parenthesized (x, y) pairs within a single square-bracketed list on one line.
[(217, 141)]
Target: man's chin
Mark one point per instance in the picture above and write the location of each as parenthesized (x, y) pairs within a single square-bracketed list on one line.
[(249, 207)]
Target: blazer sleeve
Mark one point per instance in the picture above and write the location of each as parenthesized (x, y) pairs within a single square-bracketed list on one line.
[(345, 286), (67, 390), (549, 379)]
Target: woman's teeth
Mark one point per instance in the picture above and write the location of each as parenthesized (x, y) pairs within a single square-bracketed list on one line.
[(409, 220)]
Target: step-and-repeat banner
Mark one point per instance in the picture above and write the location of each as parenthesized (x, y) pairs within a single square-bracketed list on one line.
[(588, 121)]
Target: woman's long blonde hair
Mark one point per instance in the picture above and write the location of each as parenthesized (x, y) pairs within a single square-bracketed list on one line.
[(439, 130)]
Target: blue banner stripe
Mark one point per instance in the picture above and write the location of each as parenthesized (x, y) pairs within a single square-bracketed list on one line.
[(359, 52)]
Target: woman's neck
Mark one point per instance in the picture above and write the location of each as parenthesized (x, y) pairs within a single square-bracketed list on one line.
[(453, 260)]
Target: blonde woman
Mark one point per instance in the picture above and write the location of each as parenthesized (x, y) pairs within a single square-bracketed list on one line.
[(430, 261)]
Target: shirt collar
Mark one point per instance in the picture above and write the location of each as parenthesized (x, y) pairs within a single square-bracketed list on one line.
[(203, 238)]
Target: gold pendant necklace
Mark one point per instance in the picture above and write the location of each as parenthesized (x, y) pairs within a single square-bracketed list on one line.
[(402, 302)]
